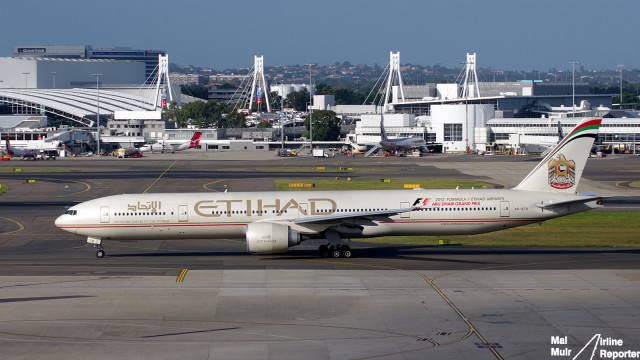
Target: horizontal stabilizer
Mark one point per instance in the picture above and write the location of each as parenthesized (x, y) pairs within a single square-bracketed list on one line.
[(582, 200)]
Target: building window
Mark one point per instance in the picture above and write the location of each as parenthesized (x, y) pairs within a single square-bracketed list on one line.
[(452, 132)]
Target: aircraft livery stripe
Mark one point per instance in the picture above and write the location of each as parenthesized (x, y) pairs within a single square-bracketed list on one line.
[(108, 226)]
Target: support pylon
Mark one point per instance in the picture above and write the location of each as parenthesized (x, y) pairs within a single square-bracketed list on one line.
[(163, 79), (259, 84), (470, 76), (394, 78)]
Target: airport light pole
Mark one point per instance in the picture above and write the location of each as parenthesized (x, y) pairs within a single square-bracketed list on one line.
[(310, 108), (620, 66), (97, 75), (54, 78), (573, 85), (26, 78)]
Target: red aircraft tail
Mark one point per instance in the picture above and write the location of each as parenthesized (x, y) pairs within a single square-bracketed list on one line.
[(9, 150), (195, 140)]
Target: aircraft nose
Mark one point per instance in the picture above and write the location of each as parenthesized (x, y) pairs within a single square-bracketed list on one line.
[(62, 220)]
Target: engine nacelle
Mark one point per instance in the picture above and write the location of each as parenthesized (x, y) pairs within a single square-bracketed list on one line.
[(270, 238)]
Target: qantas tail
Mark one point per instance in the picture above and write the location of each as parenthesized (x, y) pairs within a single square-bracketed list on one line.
[(195, 140), (561, 170)]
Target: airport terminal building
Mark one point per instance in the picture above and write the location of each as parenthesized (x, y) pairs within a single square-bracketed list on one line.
[(148, 57)]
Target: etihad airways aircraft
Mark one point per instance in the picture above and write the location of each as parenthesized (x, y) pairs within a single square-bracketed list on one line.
[(161, 146), (272, 222)]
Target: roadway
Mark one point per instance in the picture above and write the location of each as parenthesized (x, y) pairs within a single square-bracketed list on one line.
[(208, 299)]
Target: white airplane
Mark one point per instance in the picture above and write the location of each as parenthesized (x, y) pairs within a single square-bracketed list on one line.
[(271, 222), (400, 144), (161, 146), (543, 147), (21, 153)]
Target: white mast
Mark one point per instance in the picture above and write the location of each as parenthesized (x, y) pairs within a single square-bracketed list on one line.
[(259, 82), (163, 74), (470, 76), (394, 78)]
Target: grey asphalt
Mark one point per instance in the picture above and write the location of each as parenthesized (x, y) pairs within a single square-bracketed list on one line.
[(210, 300)]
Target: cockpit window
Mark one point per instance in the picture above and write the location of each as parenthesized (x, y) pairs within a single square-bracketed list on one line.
[(71, 212)]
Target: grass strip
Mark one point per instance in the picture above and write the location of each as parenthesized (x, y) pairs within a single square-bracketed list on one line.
[(394, 184)]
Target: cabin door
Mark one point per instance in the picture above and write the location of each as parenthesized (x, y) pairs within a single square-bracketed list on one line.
[(104, 214), (504, 209), (182, 213)]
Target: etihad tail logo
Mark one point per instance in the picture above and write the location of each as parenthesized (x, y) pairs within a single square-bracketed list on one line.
[(562, 172)]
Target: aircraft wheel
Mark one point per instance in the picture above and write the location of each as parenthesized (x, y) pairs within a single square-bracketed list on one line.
[(346, 252), (335, 253), (100, 254), (324, 251)]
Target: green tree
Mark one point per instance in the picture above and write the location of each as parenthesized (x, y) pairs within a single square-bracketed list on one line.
[(234, 119), (264, 125), (201, 113), (326, 126), (628, 100), (170, 114), (298, 99)]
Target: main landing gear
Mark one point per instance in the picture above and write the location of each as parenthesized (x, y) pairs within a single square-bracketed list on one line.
[(100, 253), (336, 247), (335, 251)]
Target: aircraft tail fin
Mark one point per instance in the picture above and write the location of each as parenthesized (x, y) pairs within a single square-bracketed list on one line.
[(561, 169), (195, 140), (560, 132), (8, 145), (383, 132)]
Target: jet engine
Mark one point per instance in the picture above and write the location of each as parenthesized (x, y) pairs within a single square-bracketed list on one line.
[(270, 238)]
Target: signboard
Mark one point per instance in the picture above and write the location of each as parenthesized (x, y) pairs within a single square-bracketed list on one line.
[(32, 50)]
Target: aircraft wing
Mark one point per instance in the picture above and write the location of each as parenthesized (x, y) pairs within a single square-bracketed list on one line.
[(552, 203), (338, 217)]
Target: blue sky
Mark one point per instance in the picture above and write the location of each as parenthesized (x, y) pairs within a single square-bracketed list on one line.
[(506, 34)]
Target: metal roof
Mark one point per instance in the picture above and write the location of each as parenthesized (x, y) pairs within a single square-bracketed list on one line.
[(77, 104)]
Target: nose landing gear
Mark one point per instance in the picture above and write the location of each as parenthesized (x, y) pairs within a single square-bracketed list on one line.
[(97, 243)]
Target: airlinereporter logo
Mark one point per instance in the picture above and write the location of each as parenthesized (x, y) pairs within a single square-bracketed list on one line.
[(599, 347)]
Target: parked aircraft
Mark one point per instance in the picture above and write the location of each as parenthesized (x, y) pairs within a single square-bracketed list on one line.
[(33, 154), (162, 146), (271, 222), (400, 144), (543, 147)]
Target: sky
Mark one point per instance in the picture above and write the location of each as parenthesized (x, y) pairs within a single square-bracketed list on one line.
[(505, 34)]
